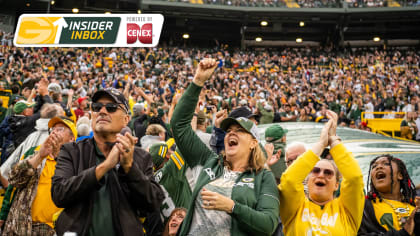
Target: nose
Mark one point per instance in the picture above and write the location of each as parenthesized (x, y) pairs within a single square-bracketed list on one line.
[(103, 110), (321, 173)]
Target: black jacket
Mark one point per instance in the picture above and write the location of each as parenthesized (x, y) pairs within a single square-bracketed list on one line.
[(370, 226), (22, 126), (74, 186)]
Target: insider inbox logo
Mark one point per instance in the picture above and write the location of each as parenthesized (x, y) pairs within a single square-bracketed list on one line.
[(88, 30), (140, 28)]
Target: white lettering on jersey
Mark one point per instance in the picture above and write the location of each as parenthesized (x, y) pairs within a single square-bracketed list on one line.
[(317, 225), (168, 204), (210, 173)]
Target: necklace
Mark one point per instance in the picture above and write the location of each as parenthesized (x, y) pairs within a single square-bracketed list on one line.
[(399, 212), (229, 175)]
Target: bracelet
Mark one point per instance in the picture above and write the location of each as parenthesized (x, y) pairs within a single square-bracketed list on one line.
[(195, 114), (334, 140), (336, 136)]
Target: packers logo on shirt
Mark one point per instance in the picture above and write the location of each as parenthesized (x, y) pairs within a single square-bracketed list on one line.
[(247, 180)]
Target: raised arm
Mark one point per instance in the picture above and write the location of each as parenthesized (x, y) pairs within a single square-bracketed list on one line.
[(193, 149), (351, 197)]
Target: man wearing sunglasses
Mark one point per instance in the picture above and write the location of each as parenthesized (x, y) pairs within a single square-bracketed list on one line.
[(104, 182)]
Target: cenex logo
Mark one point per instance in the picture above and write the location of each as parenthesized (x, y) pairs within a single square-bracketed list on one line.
[(143, 33)]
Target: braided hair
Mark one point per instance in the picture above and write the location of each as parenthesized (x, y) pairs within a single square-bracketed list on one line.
[(407, 188)]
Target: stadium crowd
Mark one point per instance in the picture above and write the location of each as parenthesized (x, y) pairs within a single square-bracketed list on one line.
[(306, 3), (94, 139), (266, 3)]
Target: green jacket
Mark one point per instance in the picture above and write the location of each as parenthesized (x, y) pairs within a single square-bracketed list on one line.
[(256, 196), (267, 117)]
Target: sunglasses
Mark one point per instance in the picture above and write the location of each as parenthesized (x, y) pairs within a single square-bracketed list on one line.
[(110, 107), (327, 172)]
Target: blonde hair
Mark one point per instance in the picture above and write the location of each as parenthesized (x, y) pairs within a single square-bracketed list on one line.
[(257, 159), (154, 129)]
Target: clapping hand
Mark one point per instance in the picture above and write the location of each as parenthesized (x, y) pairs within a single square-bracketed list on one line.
[(51, 145), (125, 144), (272, 158)]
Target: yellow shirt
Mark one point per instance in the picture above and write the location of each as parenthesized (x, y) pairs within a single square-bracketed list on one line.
[(43, 208), (341, 216), (386, 215)]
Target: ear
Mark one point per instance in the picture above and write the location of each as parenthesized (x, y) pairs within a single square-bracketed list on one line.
[(337, 184), (253, 143), (284, 139), (126, 119), (400, 176)]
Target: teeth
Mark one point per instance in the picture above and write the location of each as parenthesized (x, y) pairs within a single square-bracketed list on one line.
[(232, 142)]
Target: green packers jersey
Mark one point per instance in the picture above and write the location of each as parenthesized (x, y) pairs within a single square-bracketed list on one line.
[(176, 180)]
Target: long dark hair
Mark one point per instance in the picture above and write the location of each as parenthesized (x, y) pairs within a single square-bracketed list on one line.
[(178, 209), (407, 188)]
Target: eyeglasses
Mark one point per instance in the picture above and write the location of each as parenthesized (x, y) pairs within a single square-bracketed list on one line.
[(110, 107), (290, 161), (327, 172), (56, 129)]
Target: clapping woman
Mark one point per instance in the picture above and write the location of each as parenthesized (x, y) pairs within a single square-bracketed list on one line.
[(320, 213)]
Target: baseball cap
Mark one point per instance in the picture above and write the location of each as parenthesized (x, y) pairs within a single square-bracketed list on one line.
[(201, 117), (240, 112), (115, 95), (81, 99), (20, 106), (158, 152), (245, 123), (54, 87), (274, 133), (268, 107), (66, 121), (243, 102)]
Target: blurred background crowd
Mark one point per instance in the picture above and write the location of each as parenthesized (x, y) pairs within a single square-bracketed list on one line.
[(304, 3), (276, 85)]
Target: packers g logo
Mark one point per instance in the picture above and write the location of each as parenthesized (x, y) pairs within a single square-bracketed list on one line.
[(38, 30)]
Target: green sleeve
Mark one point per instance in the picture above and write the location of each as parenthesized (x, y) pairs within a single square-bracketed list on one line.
[(262, 220), (7, 202), (278, 168), (192, 148), (262, 110)]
